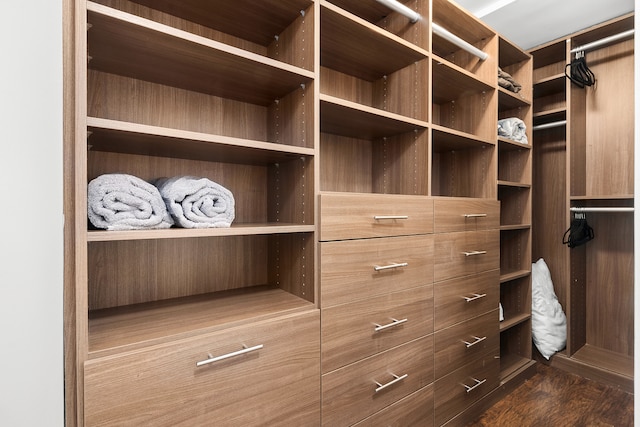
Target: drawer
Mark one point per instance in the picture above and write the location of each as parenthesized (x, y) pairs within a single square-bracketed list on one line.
[(162, 386), (359, 269), (357, 216), (467, 252), (465, 342), (354, 331), (354, 392), (457, 300), (458, 390), (465, 215), (415, 410)]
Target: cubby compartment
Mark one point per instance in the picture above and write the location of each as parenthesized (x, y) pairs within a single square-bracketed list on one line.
[(381, 164), (549, 62), (515, 249), (462, 166), (216, 277), (280, 30), (191, 83), (461, 102), (515, 345), (449, 18), (515, 163), (391, 21), (515, 205), (394, 80), (518, 64)]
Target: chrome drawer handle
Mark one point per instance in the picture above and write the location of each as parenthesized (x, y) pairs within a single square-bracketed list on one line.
[(477, 340), (395, 322), (379, 217), (474, 253), (476, 385), (477, 215), (474, 297), (228, 355), (386, 267), (390, 383)]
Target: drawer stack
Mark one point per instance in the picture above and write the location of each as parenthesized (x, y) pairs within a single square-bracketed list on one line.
[(376, 296), (466, 297)]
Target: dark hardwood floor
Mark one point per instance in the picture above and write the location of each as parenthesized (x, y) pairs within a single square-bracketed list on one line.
[(553, 397)]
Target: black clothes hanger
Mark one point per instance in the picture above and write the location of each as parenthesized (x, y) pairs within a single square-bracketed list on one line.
[(579, 231), (579, 72)]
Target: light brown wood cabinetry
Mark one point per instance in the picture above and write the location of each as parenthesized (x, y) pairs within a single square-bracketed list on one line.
[(584, 160), (376, 213)]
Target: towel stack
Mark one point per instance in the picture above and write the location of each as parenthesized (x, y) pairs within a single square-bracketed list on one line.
[(513, 128), (126, 202), (506, 81)]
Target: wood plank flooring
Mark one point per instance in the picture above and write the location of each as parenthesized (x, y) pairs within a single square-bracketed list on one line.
[(553, 397)]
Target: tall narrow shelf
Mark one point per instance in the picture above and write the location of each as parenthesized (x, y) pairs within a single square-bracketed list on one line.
[(514, 193), (583, 160)]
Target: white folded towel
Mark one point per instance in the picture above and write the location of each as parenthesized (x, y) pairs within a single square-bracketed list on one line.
[(197, 202), (125, 202), (513, 128)]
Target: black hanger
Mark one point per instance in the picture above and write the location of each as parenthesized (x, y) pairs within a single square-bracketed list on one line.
[(579, 72), (579, 231)]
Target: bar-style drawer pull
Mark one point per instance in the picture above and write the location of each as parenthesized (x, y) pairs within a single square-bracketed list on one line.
[(474, 297), (474, 253), (395, 379), (229, 355), (478, 383), (395, 322), (476, 215), (386, 267), (477, 340), (381, 217)]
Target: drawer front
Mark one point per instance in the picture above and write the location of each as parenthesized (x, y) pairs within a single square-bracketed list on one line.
[(415, 410), (162, 386), (357, 216), (358, 269), (457, 391), (465, 215), (457, 300), (352, 393), (351, 332), (465, 342), (463, 253)]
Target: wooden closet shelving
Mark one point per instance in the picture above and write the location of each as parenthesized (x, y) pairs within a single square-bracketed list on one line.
[(588, 162), (359, 281)]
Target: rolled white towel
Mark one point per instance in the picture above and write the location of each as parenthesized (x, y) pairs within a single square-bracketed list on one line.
[(125, 202), (196, 202)]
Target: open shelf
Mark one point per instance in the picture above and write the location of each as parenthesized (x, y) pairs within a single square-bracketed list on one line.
[(132, 46), (513, 275), (126, 328)]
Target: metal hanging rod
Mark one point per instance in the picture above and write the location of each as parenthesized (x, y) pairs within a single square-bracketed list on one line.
[(414, 17), (447, 35), (603, 41), (594, 209), (550, 125)]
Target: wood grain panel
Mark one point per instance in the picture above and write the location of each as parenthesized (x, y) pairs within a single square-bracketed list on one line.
[(349, 394), (349, 330), (466, 342), (347, 268), (351, 216), (451, 249), (413, 410), (462, 214), (163, 386), (451, 396), (449, 302)]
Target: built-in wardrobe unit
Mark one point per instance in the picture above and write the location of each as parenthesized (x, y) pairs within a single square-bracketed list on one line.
[(583, 166), (379, 220)]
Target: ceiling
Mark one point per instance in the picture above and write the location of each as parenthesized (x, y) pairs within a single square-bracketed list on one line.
[(530, 23)]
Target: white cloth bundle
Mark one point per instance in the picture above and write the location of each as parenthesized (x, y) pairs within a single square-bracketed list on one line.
[(513, 128), (197, 202), (548, 321), (125, 202)]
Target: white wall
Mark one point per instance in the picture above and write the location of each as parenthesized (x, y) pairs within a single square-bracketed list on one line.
[(31, 221)]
